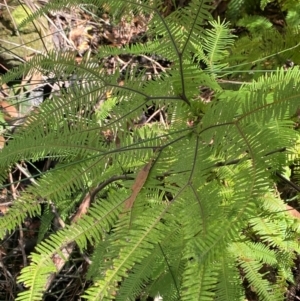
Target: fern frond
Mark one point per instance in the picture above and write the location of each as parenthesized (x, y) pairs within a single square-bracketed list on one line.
[(229, 283), (202, 280), (137, 244), (214, 49), (263, 288), (200, 183), (27, 205)]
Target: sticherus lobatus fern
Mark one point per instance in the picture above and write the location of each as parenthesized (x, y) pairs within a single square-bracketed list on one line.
[(186, 207)]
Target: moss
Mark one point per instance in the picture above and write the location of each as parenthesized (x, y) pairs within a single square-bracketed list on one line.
[(10, 55), (20, 13)]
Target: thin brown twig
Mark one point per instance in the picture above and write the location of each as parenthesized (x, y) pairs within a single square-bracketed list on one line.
[(22, 245), (293, 295), (235, 82), (27, 174), (125, 64), (62, 295), (57, 216), (154, 114), (8, 276), (163, 119), (6, 204), (154, 62), (12, 186)]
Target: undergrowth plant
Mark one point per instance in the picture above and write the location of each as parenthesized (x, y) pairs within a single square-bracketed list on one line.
[(262, 46), (187, 208)]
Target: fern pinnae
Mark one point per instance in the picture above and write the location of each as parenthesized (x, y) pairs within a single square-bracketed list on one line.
[(38, 271), (254, 251), (201, 279), (141, 273), (229, 283), (216, 41), (137, 245), (27, 205), (200, 12), (263, 288)]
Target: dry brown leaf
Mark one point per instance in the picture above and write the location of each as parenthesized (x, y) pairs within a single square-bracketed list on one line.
[(34, 79), (76, 35), (9, 111), (138, 184), (2, 142), (4, 90), (83, 208), (81, 38), (3, 209), (293, 212)]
